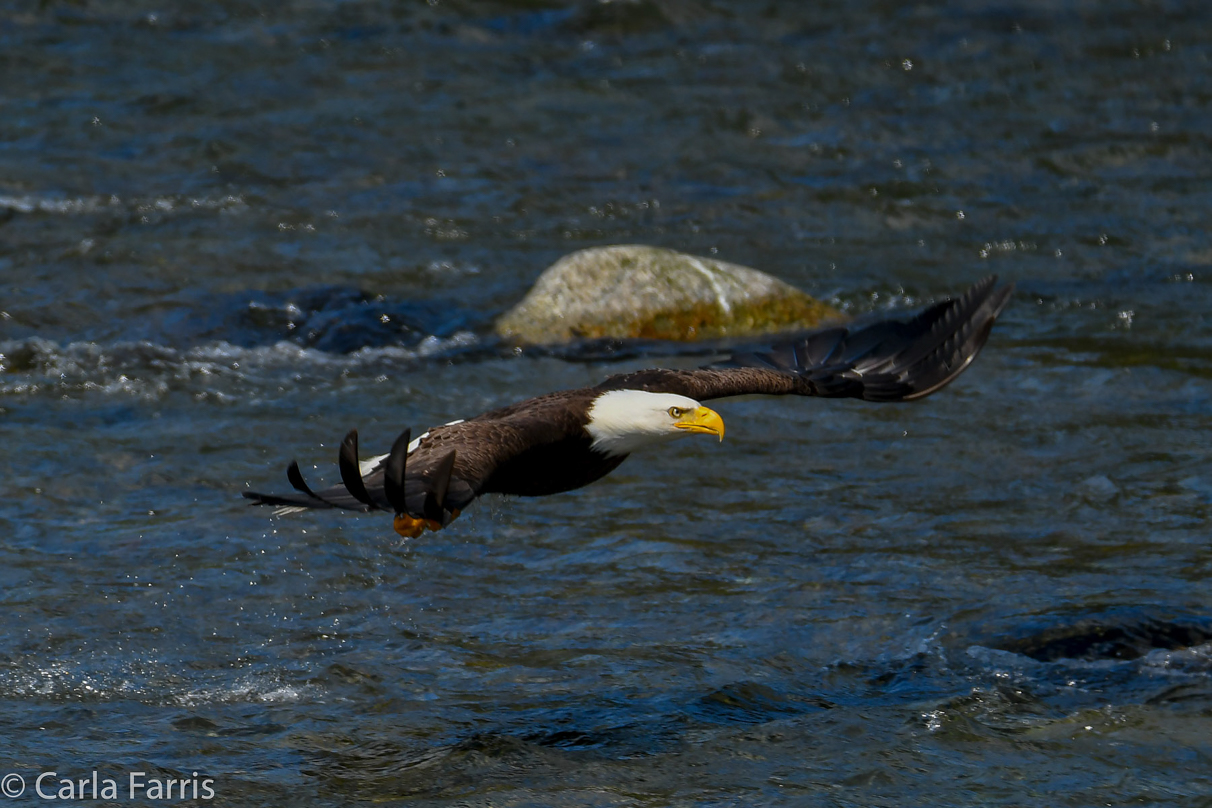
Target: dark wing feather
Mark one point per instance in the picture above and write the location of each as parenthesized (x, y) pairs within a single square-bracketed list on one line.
[(394, 482), (336, 497), (889, 360), (351, 476), (295, 478)]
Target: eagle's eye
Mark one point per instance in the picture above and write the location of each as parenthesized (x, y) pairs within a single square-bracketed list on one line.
[(676, 412)]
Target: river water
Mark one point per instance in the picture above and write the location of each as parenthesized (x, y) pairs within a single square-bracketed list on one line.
[(231, 231)]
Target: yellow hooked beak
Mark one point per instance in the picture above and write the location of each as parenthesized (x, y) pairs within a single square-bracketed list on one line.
[(701, 419)]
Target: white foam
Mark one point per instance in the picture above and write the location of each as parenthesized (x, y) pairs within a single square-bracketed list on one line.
[(150, 371)]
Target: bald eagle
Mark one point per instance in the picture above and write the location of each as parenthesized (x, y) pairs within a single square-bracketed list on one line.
[(565, 440)]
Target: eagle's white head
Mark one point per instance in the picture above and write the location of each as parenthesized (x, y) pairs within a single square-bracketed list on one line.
[(621, 421)]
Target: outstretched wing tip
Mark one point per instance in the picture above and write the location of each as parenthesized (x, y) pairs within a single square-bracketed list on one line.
[(896, 359)]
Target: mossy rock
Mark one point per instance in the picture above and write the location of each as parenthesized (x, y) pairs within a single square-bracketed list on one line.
[(652, 293)]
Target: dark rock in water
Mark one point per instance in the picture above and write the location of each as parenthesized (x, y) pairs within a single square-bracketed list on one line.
[(343, 320), (1112, 635), (754, 703), (635, 291), (336, 319), (628, 17)]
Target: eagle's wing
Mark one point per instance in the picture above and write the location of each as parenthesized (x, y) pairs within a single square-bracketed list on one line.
[(445, 468), (889, 360)]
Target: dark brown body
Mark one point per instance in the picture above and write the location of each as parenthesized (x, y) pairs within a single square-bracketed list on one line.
[(551, 468)]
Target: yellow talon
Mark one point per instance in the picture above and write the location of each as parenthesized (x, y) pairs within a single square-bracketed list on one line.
[(411, 528), (408, 527)]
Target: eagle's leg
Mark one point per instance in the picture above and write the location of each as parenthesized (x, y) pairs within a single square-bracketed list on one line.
[(411, 528)]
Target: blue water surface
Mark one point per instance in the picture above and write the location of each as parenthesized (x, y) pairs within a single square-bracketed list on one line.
[(995, 596)]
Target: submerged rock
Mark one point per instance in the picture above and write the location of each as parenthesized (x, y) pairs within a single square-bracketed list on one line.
[(334, 319), (632, 291), (1113, 635)]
